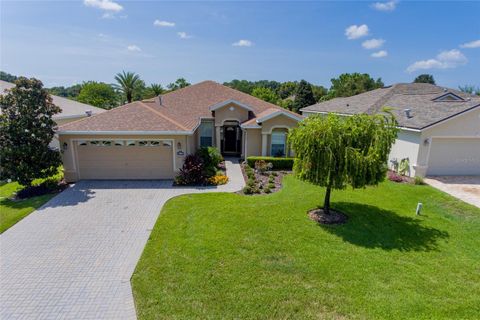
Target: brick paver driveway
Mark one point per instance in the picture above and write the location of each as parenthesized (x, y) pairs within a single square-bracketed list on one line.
[(73, 258)]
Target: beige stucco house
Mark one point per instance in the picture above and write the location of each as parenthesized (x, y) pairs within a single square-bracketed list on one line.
[(149, 139), (439, 127), (71, 110)]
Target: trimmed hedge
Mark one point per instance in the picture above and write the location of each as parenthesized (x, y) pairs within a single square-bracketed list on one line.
[(278, 163)]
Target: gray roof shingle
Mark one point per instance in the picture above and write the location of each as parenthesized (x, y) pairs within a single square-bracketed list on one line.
[(418, 97)]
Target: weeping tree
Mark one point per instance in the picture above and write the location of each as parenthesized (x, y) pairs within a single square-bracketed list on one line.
[(26, 129), (336, 151)]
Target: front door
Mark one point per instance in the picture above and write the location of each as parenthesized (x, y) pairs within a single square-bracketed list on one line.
[(230, 139)]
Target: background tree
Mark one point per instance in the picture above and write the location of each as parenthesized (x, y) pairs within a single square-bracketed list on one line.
[(319, 92), (98, 94), (128, 84), (7, 77), (287, 89), (265, 94), (350, 84), (178, 84), (470, 89), (26, 129), (71, 92), (335, 151), (303, 96), (154, 90), (424, 78)]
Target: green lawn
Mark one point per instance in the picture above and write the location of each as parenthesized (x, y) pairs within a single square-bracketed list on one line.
[(226, 256), (13, 211)]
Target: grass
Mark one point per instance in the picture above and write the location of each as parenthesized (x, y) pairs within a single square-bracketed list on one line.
[(225, 256), (13, 211)]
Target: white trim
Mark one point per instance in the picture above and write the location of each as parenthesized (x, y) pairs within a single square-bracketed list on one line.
[(245, 154), (227, 102), (251, 127), (276, 114), (277, 127), (81, 116), (123, 133), (231, 119), (457, 98)]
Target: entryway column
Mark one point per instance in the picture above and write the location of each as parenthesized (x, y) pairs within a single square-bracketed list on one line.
[(217, 138), (264, 144)]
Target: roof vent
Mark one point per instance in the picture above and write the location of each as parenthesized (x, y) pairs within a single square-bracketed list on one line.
[(348, 105), (88, 113), (445, 89), (408, 113)]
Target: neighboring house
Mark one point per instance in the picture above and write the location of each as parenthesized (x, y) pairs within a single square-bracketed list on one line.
[(149, 139), (71, 110), (439, 127)]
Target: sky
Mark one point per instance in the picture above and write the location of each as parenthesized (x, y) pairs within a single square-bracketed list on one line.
[(68, 42)]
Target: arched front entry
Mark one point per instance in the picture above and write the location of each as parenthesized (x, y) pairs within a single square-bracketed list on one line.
[(231, 138)]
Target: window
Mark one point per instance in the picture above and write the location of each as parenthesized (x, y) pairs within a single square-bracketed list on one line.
[(119, 143), (278, 144), (154, 143), (131, 143), (82, 143), (206, 134)]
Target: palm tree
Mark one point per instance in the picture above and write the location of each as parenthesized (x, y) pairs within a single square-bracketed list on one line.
[(127, 83), (156, 89)]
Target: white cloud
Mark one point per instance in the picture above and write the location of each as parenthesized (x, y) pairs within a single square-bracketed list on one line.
[(243, 43), (106, 5), (160, 23), (134, 48), (183, 35), (444, 60), (373, 43), (385, 6), (355, 32), (471, 44), (379, 54)]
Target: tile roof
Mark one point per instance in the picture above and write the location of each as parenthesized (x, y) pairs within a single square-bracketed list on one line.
[(418, 97), (70, 108), (179, 110)]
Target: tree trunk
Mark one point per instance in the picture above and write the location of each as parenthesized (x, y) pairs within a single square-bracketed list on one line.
[(326, 202)]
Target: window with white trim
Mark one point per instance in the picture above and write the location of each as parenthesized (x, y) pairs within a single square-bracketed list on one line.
[(206, 134), (278, 143)]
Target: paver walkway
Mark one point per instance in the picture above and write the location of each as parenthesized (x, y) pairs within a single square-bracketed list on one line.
[(73, 258), (465, 188)]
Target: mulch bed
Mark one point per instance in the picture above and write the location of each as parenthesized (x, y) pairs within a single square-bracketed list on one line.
[(334, 217), (262, 179)]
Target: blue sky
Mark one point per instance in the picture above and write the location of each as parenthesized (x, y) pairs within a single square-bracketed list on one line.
[(67, 42)]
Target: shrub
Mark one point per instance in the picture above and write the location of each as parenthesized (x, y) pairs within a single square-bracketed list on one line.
[(277, 163), (271, 185), (211, 159), (218, 180), (395, 177), (262, 166), (192, 171), (271, 178), (267, 190), (247, 190), (251, 182), (419, 181)]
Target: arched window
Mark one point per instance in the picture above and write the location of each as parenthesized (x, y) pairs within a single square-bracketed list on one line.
[(278, 143)]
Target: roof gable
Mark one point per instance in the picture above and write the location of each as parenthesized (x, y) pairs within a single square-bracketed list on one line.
[(449, 96)]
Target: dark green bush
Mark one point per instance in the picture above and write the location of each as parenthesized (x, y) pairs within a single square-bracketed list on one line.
[(277, 163), (211, 158)]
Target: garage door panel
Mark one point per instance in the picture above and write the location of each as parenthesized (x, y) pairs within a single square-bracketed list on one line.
[(125, 162), (452, 156)]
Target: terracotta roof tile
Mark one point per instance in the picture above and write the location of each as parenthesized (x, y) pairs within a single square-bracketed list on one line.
[(179, 110)]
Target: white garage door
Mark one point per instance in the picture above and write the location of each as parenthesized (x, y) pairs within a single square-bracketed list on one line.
[(125, 159), (452, 156)]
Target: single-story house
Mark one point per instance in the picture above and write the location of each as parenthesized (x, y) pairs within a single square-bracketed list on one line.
[(71, 110), (149, 139), (439, 128)]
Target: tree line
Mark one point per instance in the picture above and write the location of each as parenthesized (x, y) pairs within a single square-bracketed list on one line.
[(291, 95)]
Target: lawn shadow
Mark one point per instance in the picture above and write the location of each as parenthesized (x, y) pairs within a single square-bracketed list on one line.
[(373, 227)]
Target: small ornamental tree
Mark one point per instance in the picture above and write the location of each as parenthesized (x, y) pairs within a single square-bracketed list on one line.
[(26, 129), (334, 151)]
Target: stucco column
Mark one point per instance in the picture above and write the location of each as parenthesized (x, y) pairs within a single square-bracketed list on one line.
[(264, 144), (217, 138)]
